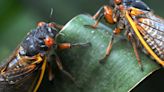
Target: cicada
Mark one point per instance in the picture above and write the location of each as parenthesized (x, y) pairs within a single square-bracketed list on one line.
[(24, 69), (143, 28)]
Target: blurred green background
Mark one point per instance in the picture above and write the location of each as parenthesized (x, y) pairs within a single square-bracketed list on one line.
[(17, 17)]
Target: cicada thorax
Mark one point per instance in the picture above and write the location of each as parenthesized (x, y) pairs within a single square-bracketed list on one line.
[(151, 28)]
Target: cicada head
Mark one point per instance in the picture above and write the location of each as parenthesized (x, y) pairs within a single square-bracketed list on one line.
[(136, 4), (129, 3), (39, 40)]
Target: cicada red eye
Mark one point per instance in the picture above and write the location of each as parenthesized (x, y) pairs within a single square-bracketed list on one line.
[(41, 24), (117, 1), (49, 41)]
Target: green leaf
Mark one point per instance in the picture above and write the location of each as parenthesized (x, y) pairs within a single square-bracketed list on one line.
[(121, 71)]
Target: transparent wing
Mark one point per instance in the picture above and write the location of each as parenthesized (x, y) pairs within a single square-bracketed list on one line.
[(152, 29)]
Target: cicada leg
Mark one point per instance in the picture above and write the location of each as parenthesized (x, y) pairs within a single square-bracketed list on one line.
[(98, 16), (60, 66), (50, 73), (130, 37), (109, 47), (69, 45), (38, 59), (104, 12), (97, 21), (108, 50), (51, 25), (54, 25), (66, 46)]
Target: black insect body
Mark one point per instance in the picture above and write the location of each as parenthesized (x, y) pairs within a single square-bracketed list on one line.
[(24, 70)]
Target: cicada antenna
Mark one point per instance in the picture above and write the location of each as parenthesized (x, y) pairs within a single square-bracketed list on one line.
[(55, 25), (51, 12)]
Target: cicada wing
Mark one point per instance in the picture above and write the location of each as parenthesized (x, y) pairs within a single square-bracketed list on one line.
[(151, 28), (138, 32), (5, 62), (22, 80)]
